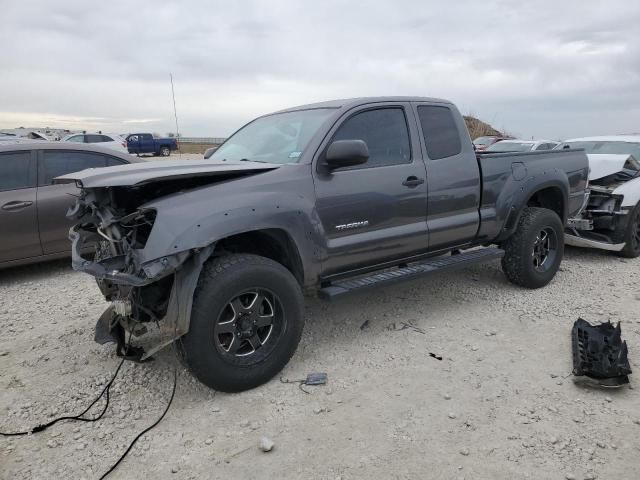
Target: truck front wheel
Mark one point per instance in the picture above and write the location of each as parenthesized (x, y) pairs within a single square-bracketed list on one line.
[(534, 252), (246, 322), (165, 151)]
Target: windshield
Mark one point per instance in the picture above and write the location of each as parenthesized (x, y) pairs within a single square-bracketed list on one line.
[(629, 148), (484, 140), (277, 138), (510, 147)]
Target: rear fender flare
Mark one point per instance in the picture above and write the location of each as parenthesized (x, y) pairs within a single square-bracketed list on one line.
[(511, 204)]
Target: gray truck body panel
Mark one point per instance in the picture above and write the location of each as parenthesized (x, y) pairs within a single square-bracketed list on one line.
[(335, 223)]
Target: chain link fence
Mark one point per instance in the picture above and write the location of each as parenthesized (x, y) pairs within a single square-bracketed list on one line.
[(202, 140)]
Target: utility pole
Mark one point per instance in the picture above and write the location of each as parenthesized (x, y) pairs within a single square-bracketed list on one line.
[(175, 113)]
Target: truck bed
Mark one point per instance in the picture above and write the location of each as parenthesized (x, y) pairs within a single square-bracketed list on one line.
[(503, 173)]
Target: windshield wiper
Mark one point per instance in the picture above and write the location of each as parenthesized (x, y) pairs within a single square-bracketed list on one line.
[(249, 160)]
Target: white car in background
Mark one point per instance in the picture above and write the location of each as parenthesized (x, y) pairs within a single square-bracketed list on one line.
[(610, 217), (521, 146), (113, 141)]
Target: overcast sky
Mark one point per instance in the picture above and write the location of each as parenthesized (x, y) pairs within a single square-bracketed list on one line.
[(552, 69)]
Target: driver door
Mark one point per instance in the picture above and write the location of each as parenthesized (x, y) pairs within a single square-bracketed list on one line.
[(375, 211)]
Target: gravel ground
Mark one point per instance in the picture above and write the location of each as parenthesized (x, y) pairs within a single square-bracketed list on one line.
[(499, 405)]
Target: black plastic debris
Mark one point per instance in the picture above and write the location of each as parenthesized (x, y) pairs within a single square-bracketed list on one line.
[(109, 330), (600, 354), (437, 357)]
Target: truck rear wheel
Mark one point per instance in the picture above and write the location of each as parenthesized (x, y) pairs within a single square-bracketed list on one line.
[(246, 322), (534, 252), (165, 151), (632, 235)]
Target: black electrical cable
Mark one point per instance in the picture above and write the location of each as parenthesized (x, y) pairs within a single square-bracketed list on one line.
[(299, 382), (105, 392), (44, 426), (133, 442), (173, 392)]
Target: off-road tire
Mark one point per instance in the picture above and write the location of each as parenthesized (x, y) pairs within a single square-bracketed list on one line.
[(517, 262), (165, 151), (221, 279), (632, 246)]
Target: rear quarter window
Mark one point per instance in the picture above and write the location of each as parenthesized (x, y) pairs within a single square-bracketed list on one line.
[(440, 132), (96, 139), (112, 162)]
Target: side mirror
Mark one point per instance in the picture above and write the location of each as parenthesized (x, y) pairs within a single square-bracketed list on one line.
[(346, 153)]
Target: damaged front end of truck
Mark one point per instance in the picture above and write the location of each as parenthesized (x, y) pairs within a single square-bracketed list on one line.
[(108, 243), (150, 289)]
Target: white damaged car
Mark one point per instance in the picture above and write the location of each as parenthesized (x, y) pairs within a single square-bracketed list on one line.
[(610, 216)]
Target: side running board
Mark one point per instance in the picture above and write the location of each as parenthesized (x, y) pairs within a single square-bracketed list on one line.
[(412, 271)]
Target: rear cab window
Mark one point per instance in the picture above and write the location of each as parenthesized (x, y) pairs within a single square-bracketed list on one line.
[(17, 171), (385, 132), (440, 132), (59, 162)]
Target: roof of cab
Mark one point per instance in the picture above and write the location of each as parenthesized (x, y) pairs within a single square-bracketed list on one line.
[(355, 102)]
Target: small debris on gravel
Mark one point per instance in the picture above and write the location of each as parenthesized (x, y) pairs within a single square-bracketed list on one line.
[(464, 451), (265, 444), (452, 415)]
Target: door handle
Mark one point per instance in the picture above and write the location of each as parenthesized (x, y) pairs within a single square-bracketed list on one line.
[(413, 181), (16, 205)]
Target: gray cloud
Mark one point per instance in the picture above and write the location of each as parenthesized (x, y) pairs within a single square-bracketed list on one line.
[(544, 69)]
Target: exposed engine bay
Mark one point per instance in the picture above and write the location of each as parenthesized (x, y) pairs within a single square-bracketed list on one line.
[(112, 231), (614, 192)]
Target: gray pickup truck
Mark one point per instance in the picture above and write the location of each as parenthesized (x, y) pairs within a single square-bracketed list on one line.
[(332, 198)]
